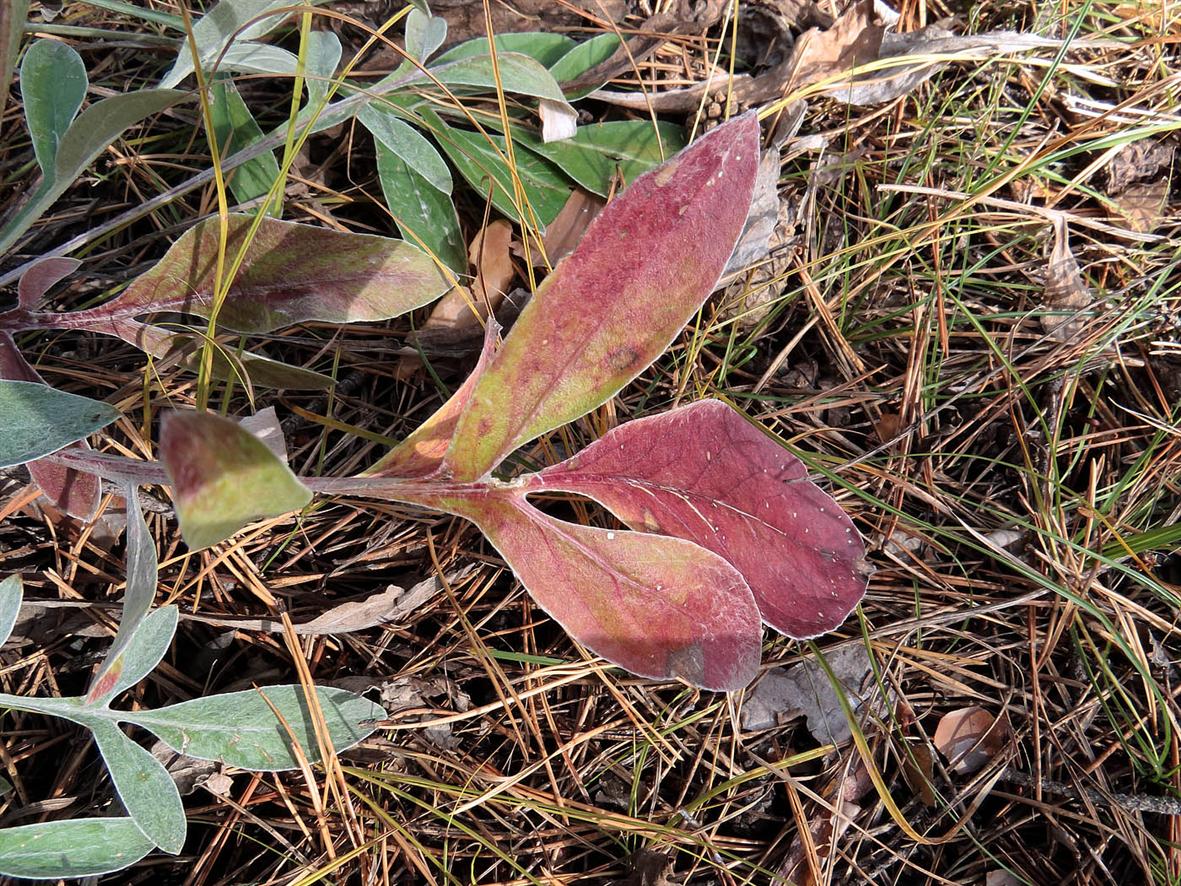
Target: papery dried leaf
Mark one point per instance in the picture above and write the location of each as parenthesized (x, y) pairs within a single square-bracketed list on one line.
[(223, 477), (1143, 160), (659, 607), (805, 688), (704, 473), (265, 425), (615, 304), (931, 50), (558, 120), (75, 492), (1066, 291), (391, 605), (292, 273), (1141, 205), (854, 39)]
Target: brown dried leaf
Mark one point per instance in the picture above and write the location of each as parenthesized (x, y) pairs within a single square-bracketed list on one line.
[(1142, 204), (1144, 160), (391, 605), (970, 737), (564, 232), (887, 426), (648, 868), (453, 318), (918, 769), (1066, 292), (805, 689), (854, 39)]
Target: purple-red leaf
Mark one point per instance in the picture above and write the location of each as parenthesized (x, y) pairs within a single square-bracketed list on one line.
[(612, 306), (43, 274), (75, 492), (291, 273), (659, 607), (223, 477), (704, 473)]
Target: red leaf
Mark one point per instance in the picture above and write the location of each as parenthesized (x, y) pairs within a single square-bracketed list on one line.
[(704, 473), (659, 607), (42, 275), (75, 492), (615, 304)]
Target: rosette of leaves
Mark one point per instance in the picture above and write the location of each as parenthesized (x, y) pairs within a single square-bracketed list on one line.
[(726, 531), (419, 125), (327, 275)]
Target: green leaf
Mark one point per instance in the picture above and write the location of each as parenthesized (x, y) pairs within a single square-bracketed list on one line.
[(223, 23), (546, 190), (408, 143), (53, 84), (70, 708), (611, 307), (422, 212), (11, 595), (544, 46), (581, 59), (12, 21), (223, 477), (321, 58), (144, 786), (291, 273), (147, 647), (425, 33), (519, 74), (103, 122), (81, 847), (141, 653), (38, 420), (75, 492), (235, 129), (597, 152), (240, 729), (89, 135), (142, 576), (258, 58)]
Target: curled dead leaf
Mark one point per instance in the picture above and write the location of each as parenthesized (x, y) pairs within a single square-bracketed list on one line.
[(970, 738)]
